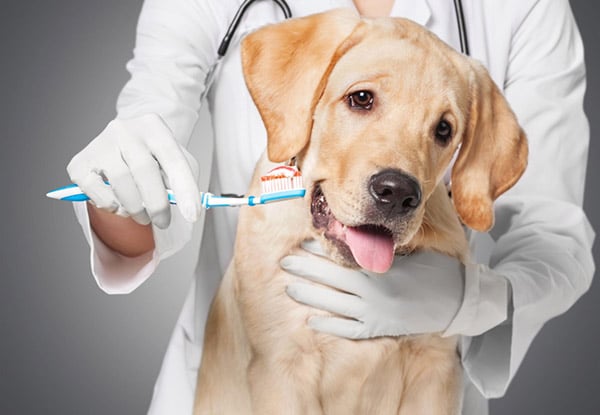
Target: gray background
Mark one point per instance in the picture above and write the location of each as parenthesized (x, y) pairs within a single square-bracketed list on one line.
[(67, 348)]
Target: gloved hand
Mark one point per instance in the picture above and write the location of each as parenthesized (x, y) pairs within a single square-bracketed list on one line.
[(140, 158), (421, 293)]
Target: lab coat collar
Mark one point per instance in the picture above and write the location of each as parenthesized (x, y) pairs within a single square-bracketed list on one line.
[(416, 10)]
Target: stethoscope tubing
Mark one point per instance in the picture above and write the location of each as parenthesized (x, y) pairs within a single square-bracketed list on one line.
[(285, 8), (462, 29)]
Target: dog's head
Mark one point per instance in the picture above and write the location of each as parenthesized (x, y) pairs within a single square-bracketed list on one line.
[(375, 110)]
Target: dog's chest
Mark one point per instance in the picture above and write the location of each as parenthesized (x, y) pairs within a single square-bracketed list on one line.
[(338, 371)]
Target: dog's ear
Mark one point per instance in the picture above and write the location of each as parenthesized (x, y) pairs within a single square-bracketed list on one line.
[(285, 67), (493, 154)]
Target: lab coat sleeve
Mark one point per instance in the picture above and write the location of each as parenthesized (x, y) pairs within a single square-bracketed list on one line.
[(117, 274), (542, 236), (176, 45)]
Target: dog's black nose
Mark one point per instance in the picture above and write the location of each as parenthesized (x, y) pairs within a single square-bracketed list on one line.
[(395, 193)]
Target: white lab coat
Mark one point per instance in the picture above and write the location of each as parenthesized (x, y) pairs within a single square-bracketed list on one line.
[(542, 239)]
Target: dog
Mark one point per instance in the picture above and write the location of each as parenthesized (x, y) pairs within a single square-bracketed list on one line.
[(373, 111)]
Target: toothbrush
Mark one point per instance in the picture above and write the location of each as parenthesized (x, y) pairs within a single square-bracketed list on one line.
[(279, 184)]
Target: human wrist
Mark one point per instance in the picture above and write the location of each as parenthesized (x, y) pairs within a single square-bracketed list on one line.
[(121, 234), (485, 303)]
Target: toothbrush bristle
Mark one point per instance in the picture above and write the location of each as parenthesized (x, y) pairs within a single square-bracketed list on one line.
[(282, 178), (281, 184)]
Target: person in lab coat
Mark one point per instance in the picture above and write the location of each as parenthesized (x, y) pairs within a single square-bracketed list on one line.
[(532, 266)]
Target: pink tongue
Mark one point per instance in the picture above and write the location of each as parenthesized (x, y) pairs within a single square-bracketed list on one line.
[(372, 250)]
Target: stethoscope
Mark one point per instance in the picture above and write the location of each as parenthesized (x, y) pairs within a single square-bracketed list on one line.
[(287, 13)]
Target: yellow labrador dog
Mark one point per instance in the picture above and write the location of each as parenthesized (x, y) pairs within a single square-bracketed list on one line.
[(374, 111)]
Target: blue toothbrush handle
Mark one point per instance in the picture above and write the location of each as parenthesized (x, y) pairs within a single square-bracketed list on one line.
[(69, 193), (72, 193)]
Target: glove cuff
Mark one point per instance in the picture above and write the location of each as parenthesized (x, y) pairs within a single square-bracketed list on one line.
[(485, 303)]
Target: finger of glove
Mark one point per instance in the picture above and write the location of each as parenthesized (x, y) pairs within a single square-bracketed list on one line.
[(326, 299), (148, 179), (194, 167), (322, 270), (84, 175), (179, 173), (314, 247), (128, 195), (100, 194), (340, 327)]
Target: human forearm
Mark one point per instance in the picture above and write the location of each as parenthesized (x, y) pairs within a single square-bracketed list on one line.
[(119, 274), (542, 247)]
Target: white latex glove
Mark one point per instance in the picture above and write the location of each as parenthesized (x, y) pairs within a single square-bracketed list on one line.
[(139, 157), (421, 293)]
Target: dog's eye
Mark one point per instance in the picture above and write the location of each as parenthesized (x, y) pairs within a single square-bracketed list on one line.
[(361, 100), (443, 132)]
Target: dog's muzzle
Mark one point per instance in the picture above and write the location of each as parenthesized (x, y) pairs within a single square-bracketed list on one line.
[(371, 245)]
